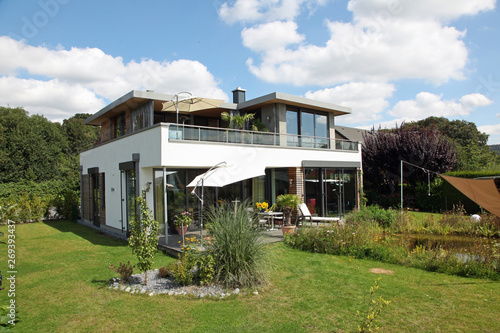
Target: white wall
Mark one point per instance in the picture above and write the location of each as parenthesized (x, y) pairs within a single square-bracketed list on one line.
[(156, 151)]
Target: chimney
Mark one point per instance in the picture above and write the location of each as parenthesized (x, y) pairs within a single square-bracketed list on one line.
[(238, 95)]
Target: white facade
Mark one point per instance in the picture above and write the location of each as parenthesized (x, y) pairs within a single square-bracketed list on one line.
[(155, 147)]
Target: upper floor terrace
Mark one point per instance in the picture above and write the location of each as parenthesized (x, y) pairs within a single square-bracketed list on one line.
[(283, 120)]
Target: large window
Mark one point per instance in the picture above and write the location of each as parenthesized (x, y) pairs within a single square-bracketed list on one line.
[(330, 191), (142, 116), (119, 126), (306, 129)]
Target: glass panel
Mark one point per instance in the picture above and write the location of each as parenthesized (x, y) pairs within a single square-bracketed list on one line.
[(130, 195), (333, 192), (258, 189), (307, 129), (159, 200), (321, 131), (349, 179), (292, 127), (313, 190)]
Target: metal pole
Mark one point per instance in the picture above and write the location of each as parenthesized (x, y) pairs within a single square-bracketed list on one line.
[(165, 215), (401, 187), (201, 212)]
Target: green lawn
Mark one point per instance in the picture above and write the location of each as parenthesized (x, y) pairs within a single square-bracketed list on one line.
[(62, 287)]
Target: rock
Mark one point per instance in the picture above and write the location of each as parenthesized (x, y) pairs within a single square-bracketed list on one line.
[(151, 293), (255, 292), (127, 289), (122, 288), (143, 291), (237, 291)]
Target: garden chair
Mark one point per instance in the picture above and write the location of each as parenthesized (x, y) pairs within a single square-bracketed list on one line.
[(306, 215), (262, 222)]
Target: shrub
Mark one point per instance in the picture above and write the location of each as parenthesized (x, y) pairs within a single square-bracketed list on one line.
[(383, 217), (144, 237), (239, 254), (125, 270), (164, 271), (206, 272)]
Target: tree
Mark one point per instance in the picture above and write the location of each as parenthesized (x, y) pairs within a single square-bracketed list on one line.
[(472, 151), (31, 147), (144, 237), (384, 150)]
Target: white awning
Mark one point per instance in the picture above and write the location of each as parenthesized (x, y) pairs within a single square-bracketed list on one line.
[(227, 173)]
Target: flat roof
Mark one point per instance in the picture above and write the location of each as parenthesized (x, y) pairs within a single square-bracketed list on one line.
[(134, 98)]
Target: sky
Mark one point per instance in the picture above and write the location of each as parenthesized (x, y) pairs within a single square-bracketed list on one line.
[(389, 60)]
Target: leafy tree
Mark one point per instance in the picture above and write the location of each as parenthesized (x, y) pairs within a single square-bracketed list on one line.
[(472, 151), (31, 147), (144, 237), (384, 150)]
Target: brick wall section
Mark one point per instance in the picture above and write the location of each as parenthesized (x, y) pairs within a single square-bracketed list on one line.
[(296, 186)]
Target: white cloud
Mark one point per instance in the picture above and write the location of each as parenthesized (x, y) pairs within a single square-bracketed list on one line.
[(427, 104), (367, 99), (91, 72), (251, 11), (386, 40), (441, 10), (274, 35), (53, 99), (490, 129)]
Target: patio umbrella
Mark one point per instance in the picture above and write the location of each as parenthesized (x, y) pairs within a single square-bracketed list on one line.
[(227, 173), (190, 104), (223, 174)]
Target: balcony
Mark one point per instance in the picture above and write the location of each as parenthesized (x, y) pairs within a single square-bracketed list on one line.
[(233, 136)]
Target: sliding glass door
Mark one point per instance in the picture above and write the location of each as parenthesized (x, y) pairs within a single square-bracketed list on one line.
[(330, 191)]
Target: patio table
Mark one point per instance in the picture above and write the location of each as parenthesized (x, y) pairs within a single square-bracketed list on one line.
[(271, 216)]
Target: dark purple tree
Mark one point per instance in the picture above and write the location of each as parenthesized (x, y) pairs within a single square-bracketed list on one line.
[(383, 151)]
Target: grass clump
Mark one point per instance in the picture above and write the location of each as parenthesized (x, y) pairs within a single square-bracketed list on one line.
[(236, 246)]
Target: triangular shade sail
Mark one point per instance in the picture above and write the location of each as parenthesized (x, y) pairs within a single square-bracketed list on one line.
[(482, 191), (228, 173)]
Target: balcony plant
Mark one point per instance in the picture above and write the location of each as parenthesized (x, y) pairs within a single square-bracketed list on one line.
[(289, 204)]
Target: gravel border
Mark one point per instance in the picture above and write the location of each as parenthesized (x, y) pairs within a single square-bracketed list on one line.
[(158, 285)]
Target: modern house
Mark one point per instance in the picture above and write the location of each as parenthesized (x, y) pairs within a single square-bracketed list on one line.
[(146, 151)]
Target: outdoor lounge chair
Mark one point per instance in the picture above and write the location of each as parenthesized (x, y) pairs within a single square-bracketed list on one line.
[(306, 215)]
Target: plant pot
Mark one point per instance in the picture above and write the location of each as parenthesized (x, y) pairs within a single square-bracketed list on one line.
[(288, 229), (179, 230)]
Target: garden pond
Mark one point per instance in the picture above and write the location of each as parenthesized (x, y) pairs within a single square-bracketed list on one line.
[(466, 247)]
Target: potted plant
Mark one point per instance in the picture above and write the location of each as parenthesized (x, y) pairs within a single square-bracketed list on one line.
[(289, 203), (182, 222)]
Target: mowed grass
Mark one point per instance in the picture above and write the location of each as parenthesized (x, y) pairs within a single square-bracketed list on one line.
[(62, 287)]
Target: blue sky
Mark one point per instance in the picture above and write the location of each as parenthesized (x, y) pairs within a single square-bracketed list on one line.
[(390, 60)]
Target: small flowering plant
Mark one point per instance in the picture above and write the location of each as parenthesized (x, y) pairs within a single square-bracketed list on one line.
[(262, 205), (185, 218)]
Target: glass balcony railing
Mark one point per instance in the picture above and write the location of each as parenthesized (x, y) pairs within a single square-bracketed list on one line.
[(226, 135)]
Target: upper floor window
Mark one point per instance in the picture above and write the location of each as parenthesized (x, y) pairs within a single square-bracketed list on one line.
[(307, 128), (119, 126), (142, 116)]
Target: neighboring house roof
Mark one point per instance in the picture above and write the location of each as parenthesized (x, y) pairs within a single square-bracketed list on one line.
[(351, 133)]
